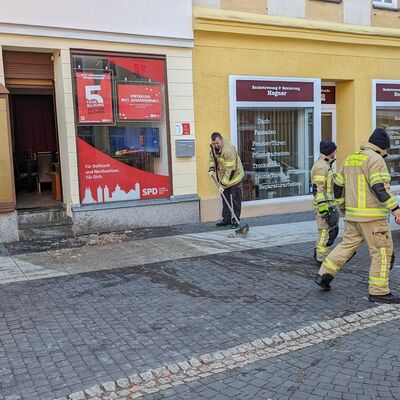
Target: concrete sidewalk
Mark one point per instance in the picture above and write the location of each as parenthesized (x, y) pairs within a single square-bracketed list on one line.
[(118, 251)]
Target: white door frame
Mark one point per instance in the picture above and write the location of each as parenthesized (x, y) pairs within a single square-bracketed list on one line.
[(330, 108)]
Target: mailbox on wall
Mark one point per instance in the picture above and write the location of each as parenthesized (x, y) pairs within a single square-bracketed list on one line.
[(184, 148)]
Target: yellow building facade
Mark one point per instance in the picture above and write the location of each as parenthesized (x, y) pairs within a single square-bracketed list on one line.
[(232, 48)]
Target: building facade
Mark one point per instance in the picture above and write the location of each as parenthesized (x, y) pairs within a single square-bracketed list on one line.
[(97, 114), (275, 77)]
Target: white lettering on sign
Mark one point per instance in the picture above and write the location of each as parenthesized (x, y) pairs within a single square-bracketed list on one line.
[(263, 121), (93, 98)]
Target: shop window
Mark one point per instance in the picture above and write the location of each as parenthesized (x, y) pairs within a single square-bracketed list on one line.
[(386, 3), (388, 118), (121, 127), (276, 134), (276, 147), (386, 111)]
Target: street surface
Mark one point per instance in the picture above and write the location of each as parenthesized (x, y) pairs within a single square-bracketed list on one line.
[(186, 313)]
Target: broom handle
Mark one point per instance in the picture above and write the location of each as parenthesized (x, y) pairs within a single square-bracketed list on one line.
[(227, 202)]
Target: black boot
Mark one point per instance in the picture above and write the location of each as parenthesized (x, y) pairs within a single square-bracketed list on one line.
[(386, 298), (324, 281)]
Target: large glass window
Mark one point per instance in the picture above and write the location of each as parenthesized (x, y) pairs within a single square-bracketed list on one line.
[(276, 147), (388, 118), (121, 126)]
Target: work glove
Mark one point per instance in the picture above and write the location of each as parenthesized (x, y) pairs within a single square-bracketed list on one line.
[(221, 189), (323, 210), (211, 172)]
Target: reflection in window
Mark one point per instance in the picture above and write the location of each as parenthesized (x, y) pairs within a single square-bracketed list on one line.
[(388, 118), (276, 147)]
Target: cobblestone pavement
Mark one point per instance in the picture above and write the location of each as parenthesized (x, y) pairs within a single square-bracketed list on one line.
[(363, 366), (65, 334)]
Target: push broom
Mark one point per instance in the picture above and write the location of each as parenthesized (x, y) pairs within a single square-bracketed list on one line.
[(243, 231)]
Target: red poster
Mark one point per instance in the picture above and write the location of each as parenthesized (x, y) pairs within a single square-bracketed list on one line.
[(94, 97), (274, 91), (139, 102), (103, 179)]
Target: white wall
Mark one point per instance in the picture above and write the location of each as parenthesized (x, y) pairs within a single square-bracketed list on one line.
[(357, 12), (287, 8), (161, 18)]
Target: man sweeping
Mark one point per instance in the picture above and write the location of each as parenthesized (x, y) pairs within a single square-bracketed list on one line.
[(226, 169)]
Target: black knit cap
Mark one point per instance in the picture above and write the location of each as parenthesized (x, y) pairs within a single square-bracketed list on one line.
[(327, 147), (380, 138)]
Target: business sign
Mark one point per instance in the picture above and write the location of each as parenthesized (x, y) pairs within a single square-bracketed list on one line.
[(274, 91), (103, 179), (328, 95), (94, 98), (139, 102), (388, 92)]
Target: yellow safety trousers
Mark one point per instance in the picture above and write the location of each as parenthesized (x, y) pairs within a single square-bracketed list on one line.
[(378, 237)]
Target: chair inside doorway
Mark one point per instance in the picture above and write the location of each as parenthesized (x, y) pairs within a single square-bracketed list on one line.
[(35, 148)]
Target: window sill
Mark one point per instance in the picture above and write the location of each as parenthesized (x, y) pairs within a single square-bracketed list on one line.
[(387, 8)]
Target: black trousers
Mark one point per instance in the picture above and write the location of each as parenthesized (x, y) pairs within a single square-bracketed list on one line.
[(234, 192)]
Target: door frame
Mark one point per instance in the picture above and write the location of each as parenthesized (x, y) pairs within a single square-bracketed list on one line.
[(330, 108)]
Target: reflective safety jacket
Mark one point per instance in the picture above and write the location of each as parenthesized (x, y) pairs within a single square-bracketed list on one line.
[(322, 179), (227, 164), (363, 184)]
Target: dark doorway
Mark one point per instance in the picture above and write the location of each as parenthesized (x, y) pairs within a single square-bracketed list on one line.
[(36, 160)]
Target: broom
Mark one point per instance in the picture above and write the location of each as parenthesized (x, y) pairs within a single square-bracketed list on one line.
[(243, 231)]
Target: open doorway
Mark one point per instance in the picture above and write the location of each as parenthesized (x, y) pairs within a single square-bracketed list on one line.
[(35, 148), (29, 77)]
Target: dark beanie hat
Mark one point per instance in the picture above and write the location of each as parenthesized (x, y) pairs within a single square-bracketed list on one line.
[(380, 138), (327, 147)]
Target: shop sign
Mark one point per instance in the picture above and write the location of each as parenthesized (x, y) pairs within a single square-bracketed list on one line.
[(103, 179), (274, 91), (387, 92), (139, 102), (94, 98), (328, 95)]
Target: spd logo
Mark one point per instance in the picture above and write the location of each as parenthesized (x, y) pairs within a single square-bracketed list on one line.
[(149, 191)]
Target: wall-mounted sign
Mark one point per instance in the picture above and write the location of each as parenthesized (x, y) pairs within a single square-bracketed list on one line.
[(328, 95), (274, 91), (388, 92), (139, 102), (94, 98)]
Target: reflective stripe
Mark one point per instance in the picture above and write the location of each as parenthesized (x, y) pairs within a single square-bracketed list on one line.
[(330, 265), (367, 212), (234, 181), (379, 177), (319, 197), (211, 164), (318, 179), (384, 263), (339, 179), (378, 281), (391, 203), (361, 198), (228, 163), (321, 242)]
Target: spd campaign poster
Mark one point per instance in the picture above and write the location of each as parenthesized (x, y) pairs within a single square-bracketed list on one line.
[(94, 97), (139, 102), (103, 179)]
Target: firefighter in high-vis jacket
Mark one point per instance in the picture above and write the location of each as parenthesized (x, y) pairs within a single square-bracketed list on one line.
[(324, 203), (226, 167), (362, 186)]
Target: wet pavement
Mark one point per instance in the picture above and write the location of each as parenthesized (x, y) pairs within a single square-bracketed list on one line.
[(83, 326)]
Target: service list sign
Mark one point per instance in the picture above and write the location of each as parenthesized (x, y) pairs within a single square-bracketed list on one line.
[(94, 97), (139, 102)]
